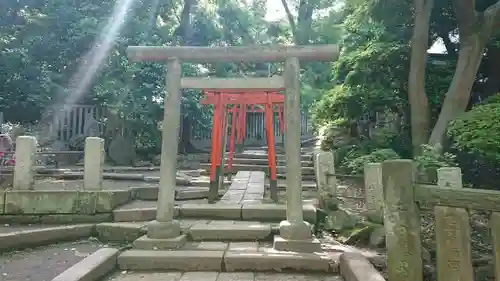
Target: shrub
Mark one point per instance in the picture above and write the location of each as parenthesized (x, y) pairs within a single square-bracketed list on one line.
[(475, 139), (357, 165)]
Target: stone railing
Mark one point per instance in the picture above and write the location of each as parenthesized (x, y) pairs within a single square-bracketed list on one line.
[(26, 155), (392, 194), (327, 181), (451, 203)]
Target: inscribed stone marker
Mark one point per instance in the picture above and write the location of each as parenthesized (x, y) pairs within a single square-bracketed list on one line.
[(24, 170), (94, 161), (374, 194), (453, 249), (401, 221)]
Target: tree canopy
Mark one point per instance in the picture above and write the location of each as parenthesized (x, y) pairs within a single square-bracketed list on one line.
[(385, 96), (47, 47)]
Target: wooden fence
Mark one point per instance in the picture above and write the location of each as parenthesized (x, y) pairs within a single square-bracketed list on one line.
[(74, 121), (255, 134)]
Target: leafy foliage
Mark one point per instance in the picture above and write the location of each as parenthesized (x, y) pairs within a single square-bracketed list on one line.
[(356, 165), (475, 141), (43, 44), (475, 131)]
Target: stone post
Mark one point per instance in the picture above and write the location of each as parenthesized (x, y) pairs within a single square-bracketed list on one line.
[(24, 171), (324, 165), (401, 221), (94, 161), (453, 233), (296, 234), (374, 193), (165, 227)]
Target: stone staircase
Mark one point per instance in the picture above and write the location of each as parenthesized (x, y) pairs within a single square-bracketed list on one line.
[(256, 160), (237, 234)]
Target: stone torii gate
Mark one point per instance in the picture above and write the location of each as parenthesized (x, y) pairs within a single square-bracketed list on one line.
[(294, 229)]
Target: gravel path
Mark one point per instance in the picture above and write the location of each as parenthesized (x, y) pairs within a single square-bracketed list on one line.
[(44, 263)]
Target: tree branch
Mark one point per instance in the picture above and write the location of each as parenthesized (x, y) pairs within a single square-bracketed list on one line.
[(466, 16), (289, 15), (492, 16)]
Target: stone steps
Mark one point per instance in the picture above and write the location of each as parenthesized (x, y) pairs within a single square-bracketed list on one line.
[(260, 258), (220, 276), (182, 193), (263, 155), (230, 231), (146, 210), (247, 167), (306, 185), (264, 161), (149, 193)]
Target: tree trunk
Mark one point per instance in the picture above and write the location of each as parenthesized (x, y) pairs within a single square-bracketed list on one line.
[(302, 26), (475, 30), (492, 85), (459, 92), (184, 31), (419, 105)]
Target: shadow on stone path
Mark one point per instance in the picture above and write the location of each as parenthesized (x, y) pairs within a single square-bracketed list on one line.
[(44, 263)]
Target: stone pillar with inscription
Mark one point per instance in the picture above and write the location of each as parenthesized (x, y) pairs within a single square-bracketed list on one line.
[(24, 170), (401, 221), (324, 165), (374, 193), (453, 233), (94, 162)]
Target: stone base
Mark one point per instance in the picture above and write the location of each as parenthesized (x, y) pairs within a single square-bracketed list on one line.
[(220, 231), (296, 230), (300, 246), (146, 243), (164, 230), (142, 260), (273, 188)]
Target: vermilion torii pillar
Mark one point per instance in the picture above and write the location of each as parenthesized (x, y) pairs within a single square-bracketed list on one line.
[(165, 228)]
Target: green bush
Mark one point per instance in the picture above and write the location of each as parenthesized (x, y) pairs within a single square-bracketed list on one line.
[(477, 131), (433, 158), (357, 165), (475, 139)]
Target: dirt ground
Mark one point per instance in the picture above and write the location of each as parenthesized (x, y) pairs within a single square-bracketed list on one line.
[(44, 263)]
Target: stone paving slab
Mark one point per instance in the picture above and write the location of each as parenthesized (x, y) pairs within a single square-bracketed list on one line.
[(211, 211), (206, 246), (222, 276), (246, 185), (171, 260), (243, 246), (230, 232), (120, 232), (274, 212), (149, 276), (229, 260), (278, 261), (252, 210)]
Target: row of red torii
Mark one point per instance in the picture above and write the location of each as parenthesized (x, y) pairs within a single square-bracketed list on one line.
[(224, 93), (232, 96)]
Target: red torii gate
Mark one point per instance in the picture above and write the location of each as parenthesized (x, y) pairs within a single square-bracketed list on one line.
[(272, 101), (231, 99)]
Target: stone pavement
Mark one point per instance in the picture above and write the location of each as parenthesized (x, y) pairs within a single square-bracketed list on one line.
[(246, 187), (223, 276)]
